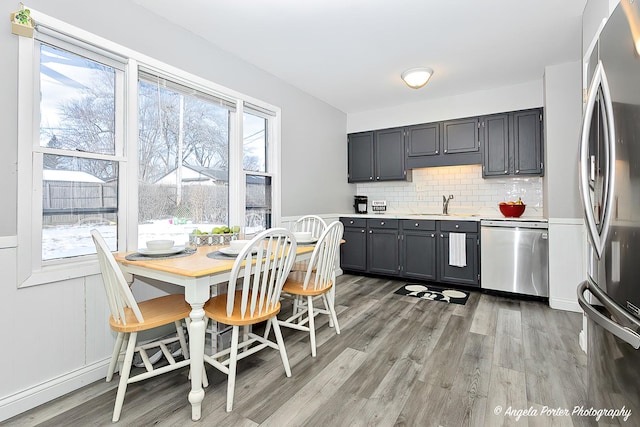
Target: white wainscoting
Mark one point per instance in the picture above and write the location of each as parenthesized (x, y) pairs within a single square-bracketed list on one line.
[(567, 262)]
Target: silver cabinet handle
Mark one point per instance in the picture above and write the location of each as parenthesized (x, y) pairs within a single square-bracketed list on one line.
[(351, 222), (506, 172), (436, 151), (433, 235), (517, 170), (362, 231), (445, 151), (377, 177), (370, 231), (457, 226), (442, 235), (622, 332), (417, 225), (370, 178), (381, 222)]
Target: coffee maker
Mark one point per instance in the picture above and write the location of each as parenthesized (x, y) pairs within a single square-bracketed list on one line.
[(360, 204)]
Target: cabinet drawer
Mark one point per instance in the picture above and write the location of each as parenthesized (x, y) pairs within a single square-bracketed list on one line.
[(354, 222), (383, 223), (459, 226), (427, 225)]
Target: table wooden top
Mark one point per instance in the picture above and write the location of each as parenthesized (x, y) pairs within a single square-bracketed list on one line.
[(196, 265)]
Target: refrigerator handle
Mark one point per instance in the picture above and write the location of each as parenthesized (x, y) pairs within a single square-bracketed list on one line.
[(626, 334), (598, 239)]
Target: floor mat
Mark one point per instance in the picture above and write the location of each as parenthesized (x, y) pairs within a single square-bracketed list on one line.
[(434, 293)]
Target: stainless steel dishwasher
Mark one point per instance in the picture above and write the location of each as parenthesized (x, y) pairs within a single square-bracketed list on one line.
[(515, 256)]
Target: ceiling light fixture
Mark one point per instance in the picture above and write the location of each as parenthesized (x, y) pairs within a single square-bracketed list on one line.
[(417, 77)]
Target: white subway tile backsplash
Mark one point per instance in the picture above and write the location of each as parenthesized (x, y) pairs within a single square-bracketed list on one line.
[(464, 182)]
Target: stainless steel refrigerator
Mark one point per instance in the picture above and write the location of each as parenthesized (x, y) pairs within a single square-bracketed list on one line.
[(610, 189)]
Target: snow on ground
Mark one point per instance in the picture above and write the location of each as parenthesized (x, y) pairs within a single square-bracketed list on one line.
[(75, 240)]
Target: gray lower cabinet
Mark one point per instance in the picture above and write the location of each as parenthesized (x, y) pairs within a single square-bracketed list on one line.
[(418, 249), (382, 247), (468, 275), (413, 249), (353, 252)]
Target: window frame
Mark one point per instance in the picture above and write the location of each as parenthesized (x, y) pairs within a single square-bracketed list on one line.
[(31, 269)]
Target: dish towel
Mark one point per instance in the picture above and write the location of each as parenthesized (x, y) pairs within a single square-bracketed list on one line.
[(457, 249)]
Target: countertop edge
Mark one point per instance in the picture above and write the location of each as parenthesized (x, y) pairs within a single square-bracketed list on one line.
[(440, 217)]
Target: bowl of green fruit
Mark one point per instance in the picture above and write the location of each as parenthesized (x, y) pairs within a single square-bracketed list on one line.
[(220, 235)]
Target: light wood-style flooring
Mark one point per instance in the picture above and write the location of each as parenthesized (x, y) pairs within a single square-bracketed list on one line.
[(399, 361)]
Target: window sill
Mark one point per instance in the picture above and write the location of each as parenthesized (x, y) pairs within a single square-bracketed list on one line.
[(60, 272)]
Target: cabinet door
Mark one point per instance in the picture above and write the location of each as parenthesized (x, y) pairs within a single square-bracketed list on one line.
[(423, 140), (419, 254), (353, 252), (496, 145), (389, 155), (527, 142), (360, 157), (463, 275), (460, 136), (383, 251)]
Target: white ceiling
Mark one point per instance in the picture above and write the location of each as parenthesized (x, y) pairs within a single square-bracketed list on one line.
[(350, 53)]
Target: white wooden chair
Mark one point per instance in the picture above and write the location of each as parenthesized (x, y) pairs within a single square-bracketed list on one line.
[(312, 223), (316, 226), (129, 317), (263, 266), (318, 281)]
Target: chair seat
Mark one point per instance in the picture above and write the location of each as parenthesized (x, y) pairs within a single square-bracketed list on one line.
[(156, 312), (295, 285), (216, 309)]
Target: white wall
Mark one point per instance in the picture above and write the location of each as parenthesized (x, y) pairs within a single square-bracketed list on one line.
[(563, 105), (508, 98), (58, 333)]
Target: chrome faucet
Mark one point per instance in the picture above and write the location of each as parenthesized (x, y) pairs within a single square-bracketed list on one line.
[(445, 204)]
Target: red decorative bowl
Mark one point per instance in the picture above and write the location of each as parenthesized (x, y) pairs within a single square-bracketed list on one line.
[(511, 211)]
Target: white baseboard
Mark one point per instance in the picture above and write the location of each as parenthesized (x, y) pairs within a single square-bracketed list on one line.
[(24, 400), (583, 341), (564, 304)]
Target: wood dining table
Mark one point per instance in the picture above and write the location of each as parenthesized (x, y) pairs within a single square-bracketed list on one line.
[(197, 273)]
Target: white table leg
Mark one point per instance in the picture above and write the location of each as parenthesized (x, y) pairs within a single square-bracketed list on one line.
[(196, 349)]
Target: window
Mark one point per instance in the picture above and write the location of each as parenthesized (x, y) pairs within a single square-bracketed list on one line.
[(256, 165), (183, 158), (93, 117), (79, 135)]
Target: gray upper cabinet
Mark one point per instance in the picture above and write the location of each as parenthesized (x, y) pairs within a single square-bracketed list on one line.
[(527, 143), (461, 136), (360, 156), (389, 155), (513, 144), (496, 145), (423, 140), (450, 143), (377, 156)]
